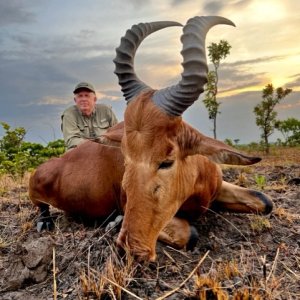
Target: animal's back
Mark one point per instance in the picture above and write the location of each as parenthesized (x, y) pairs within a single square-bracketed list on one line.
[(83, 181)]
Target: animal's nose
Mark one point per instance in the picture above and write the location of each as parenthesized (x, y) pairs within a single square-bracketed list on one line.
[(266, 201), (140, 253)]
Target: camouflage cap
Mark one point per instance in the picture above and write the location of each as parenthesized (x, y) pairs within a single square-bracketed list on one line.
[(84, 86)]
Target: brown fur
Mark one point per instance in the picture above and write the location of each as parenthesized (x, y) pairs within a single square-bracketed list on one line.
[(84, 181), (154, 193), (88, 179)]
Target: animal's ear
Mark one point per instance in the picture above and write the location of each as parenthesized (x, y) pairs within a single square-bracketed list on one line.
[(113, 136), (221, 153), (192, 142)]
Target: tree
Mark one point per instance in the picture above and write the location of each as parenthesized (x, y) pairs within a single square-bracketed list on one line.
[(290, 129), (18, 156), (216, 53), (12, 139), (265, 113)]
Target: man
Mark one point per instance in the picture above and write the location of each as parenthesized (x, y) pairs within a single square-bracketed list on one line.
[(86, 119)]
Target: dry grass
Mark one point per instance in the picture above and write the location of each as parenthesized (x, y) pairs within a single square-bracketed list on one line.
[(251, 257), (279, 156), (113, 280), (259, 223)]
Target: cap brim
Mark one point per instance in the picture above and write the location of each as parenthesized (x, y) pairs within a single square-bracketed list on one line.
[(82, 89)]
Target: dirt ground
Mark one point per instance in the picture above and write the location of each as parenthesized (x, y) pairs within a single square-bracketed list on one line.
[(236, 257)]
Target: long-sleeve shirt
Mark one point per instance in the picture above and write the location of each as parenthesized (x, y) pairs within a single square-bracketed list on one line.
[(77, 128)]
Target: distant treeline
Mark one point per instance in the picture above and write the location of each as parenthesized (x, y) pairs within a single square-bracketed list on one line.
[(18, 156)]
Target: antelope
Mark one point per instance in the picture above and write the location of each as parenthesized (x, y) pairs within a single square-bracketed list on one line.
[(154, 168)]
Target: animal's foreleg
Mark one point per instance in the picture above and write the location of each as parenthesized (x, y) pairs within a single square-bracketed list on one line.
[(238, 199), (178, 233), (44, 221)]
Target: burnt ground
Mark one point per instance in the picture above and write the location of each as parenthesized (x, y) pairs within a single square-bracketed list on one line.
[(236, 257)]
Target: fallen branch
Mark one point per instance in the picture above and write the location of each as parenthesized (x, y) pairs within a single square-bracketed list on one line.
[(122, 288), (184, 282), (54, 277)]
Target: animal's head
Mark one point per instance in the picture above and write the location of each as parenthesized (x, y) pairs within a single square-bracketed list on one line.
[(158, 147)]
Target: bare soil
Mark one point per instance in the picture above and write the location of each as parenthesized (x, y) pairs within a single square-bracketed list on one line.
[(236, 257)]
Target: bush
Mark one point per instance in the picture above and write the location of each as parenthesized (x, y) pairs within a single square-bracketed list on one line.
[(18, 156)]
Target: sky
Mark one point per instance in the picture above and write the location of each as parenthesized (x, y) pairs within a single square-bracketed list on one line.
[(47, 47)]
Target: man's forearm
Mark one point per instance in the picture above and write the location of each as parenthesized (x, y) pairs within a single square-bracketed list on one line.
[(74, 142)]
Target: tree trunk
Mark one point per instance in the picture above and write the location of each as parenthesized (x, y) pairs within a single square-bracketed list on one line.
[(215, 128), (267, 147)]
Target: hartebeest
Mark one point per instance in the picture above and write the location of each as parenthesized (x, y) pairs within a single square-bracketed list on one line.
[(165, 172), (170, 167)]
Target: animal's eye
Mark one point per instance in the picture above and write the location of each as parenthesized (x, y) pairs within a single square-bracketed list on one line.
[(166, 164)]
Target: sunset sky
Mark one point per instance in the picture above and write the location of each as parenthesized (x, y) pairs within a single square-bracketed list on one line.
[(47, 47)]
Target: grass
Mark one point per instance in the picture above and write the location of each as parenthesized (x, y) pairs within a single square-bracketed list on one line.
[(114, 278), (251, 257)]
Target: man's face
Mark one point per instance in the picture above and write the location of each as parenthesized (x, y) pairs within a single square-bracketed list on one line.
[(85, 101)]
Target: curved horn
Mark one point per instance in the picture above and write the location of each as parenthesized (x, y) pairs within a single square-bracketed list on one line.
[(124, 61), (176, 99)]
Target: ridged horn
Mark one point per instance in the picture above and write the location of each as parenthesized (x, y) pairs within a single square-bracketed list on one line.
[(176, 99), (124, 61)]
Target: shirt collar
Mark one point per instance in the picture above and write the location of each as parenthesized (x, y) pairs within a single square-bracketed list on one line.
[(85, 116)]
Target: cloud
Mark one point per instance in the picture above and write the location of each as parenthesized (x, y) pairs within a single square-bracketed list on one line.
[(14, 12), (258, 60), (213, 7), (217, 6), (295, 82), (178, 2), (50, 100), (24, 46), (284, 106), (49, 46)]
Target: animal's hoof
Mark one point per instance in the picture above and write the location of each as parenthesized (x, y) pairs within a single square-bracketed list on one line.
[(194, 236), (294, 181), (44, 225), (114, 223)]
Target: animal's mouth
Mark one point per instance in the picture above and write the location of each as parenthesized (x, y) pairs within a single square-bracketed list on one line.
[(135, 247)]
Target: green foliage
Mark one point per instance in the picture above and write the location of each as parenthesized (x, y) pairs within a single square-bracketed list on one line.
[(290, 130), (228, 142), (210, 100), (216, 53), (11, 142), (265, 113), (260, 181), (18, 156)]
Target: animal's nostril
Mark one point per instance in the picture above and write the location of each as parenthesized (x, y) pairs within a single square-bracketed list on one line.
[(265, 200), (269, 206)]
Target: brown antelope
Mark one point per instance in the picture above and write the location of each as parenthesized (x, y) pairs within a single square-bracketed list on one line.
[(165, 173)]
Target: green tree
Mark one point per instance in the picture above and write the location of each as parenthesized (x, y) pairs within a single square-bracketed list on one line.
[(18, 156), (12, 139), (290, 129), (11, 159), (216, 53), (265, 113)]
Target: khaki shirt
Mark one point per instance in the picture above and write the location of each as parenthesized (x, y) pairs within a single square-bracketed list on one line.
[(77, 128)]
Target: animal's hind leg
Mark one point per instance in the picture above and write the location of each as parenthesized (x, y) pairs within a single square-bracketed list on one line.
[(178, 233), (238, 199), (44, 221)]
